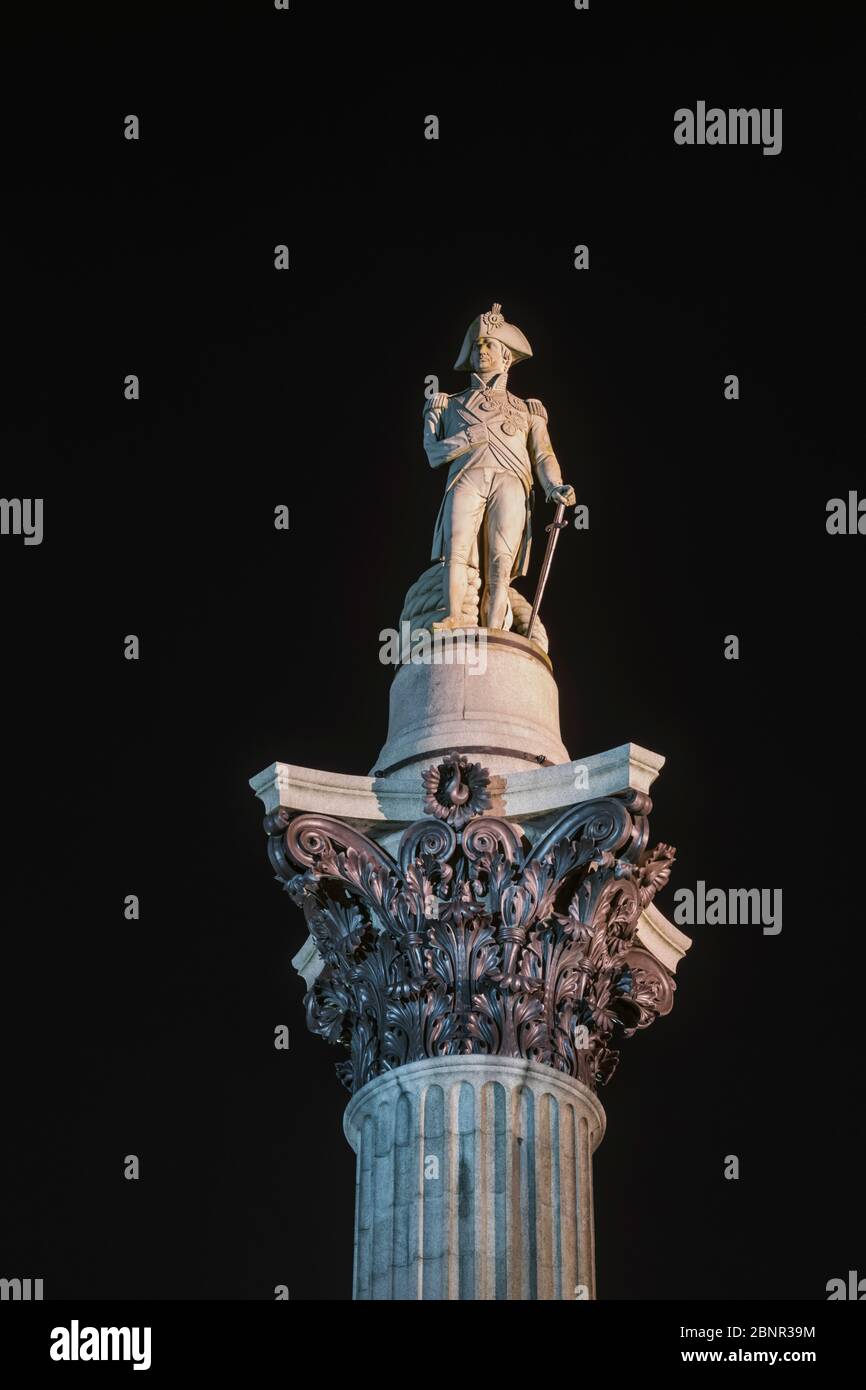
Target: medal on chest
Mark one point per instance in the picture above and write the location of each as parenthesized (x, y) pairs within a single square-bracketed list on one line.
[(501, 402)]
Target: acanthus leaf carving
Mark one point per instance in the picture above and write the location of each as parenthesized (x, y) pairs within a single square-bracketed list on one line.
[(471, 941)]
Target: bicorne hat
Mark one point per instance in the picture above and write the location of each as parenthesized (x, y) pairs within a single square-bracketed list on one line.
[(493, 325)]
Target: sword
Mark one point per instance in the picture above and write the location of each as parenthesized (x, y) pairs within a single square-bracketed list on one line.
[(553, 531)]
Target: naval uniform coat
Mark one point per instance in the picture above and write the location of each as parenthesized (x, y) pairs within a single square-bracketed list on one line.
[(484, 426)]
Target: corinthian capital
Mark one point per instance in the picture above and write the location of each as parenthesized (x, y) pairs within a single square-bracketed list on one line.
[(471, 940)]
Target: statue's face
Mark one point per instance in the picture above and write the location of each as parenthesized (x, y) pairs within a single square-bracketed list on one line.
[(487, 355)]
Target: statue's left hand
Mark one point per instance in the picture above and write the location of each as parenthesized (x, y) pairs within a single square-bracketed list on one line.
[(564, 493)]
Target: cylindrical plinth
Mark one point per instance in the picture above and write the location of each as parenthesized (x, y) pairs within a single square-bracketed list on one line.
[(502, 703), (474, 1181)]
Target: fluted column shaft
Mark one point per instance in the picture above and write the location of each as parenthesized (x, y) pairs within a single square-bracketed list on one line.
[(474, 1181)]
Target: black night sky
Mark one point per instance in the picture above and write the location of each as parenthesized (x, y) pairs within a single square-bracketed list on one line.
[(707, 517)]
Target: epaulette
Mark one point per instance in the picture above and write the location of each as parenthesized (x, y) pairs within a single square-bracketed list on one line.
[(437, 402), (537, 408)]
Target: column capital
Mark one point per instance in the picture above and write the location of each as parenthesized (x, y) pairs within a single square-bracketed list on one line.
[(471, 940)]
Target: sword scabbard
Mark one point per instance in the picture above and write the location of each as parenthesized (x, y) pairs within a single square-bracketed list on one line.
[(557, 524)]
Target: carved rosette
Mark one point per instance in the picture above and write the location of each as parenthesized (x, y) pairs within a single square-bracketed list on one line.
[(471, 941), (456, 790)]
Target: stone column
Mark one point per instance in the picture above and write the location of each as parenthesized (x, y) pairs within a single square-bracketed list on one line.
[(474, 1181)]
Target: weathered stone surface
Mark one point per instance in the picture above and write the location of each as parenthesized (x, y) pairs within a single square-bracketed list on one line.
[(509, 704), (527, 791), (474, 1181), (426, 603)]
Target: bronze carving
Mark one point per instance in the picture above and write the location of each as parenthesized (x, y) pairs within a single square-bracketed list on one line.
[(473, 942), (456, 790)]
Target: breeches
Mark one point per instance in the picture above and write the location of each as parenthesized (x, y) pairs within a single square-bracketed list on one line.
[(489, 493)]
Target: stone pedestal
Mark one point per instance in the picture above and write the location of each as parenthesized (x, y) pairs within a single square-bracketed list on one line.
[(474, 1181), (491, 695)]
